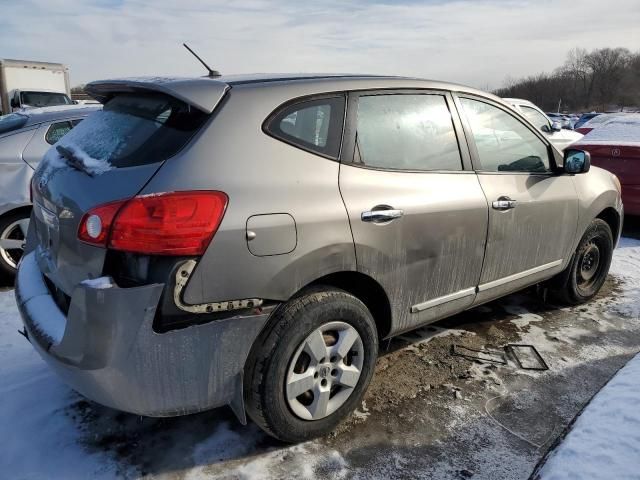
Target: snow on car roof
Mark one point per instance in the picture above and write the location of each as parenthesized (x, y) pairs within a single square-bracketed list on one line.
[(56, 108), (620, 129)]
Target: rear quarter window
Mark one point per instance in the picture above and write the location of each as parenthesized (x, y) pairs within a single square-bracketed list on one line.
[(314, 125)]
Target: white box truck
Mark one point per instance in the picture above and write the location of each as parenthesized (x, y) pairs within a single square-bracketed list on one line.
[(25, 84)]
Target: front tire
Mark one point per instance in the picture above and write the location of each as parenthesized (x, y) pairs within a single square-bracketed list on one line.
[(312, 365), (589, 266)]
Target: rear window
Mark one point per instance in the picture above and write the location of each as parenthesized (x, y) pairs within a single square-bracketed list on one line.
[(12, 122), (135, 129)]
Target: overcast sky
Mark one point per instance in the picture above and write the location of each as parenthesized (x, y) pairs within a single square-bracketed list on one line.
[(476, 42)]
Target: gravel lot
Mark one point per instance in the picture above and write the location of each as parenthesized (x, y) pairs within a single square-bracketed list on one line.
[(427, 414)]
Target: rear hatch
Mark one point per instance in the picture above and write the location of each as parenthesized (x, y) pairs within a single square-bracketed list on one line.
[(109, 157)]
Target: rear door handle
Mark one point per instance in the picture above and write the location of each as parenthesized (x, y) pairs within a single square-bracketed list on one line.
[(504, 203), (381, 216)]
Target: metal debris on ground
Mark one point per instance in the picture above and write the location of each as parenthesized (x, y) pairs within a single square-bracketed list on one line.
[(484, 355), (526, 357)]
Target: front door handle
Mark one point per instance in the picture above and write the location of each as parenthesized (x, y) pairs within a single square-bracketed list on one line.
[(504, 203), (381, 216)]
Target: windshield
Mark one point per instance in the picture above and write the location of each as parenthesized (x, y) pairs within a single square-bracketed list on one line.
[(11, 122), (43, 99), (134, 129)]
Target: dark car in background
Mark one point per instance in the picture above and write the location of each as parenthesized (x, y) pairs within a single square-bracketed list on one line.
[(584, 118), (24, 139)]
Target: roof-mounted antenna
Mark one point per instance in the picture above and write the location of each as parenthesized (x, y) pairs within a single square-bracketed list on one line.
[(212, 73)]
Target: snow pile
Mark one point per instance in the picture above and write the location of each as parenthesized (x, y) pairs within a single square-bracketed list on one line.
[(604, 443)]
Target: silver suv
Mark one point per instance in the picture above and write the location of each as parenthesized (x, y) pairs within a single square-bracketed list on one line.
[(248, 241)]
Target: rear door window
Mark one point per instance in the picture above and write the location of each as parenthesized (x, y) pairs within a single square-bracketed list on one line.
[(313, 125), (406, 132), (135, 129)]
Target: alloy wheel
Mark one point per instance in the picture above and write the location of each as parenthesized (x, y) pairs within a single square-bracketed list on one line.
[(12, 240), (324, 371)]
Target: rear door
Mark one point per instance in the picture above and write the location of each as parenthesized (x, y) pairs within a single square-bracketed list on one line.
[(417, 212), (533, 210)]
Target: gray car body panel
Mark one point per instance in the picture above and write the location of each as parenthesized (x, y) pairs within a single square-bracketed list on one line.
[(22, 150), (448, 252), (137, 369)]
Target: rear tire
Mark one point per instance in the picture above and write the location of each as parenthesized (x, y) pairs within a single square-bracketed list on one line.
[(589, 267), (13, 234), (293, 389)]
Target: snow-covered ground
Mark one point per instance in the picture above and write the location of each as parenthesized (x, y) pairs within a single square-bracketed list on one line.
[(427, 414), (604, 443)]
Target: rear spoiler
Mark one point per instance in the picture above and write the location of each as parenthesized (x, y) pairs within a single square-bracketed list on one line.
[(201, 93)]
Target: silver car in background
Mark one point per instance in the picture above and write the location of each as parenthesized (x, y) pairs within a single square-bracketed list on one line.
[(559, 136), (249, 240), (24, 139)]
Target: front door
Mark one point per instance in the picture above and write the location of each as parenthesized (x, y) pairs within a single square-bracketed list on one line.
[(533, 210), (418, 217)]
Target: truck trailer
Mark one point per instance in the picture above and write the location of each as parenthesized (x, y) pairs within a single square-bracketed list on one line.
[(26, 84)]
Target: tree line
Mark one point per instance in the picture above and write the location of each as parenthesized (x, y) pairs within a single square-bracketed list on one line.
[(605, 79)]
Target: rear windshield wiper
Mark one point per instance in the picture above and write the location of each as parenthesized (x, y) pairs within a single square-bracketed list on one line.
[(73, 160)]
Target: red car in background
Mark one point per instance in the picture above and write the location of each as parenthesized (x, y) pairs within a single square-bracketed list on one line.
[(615, 146)]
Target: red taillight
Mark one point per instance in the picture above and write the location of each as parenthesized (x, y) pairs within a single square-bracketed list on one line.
[(177, 223), (96, 223)]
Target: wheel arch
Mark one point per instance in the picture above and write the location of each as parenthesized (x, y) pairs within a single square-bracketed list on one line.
[(612, 217), (25, 208), (365, 289)]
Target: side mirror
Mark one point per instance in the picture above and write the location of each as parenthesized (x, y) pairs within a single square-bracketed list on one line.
[(545, 128), (14, 103), (576, 161)]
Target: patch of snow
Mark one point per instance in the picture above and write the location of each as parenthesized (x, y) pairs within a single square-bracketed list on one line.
[(98, 283), (525, 317), (91, 166), (41, 441), (46, 317), (621, 130), (604, 442), (58, 108)]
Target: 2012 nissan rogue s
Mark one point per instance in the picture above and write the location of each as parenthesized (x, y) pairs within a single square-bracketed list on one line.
[(249, 240)]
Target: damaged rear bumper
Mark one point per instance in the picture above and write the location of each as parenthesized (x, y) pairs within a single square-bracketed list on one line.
[(106, 349)]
